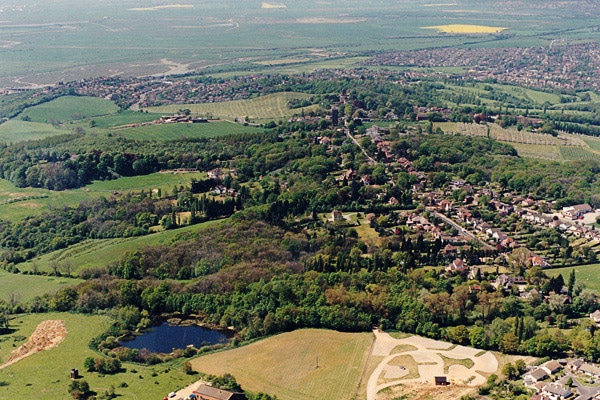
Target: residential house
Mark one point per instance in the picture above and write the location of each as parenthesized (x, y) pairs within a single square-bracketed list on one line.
[(577, 211), (551, 367), (450, 250), (456, 266), (528, 202), (590, 370), (418, 221), (206, 392), (595, 316), (337, 215), (465, 215), (535, 376), (557, 391), (445, 205), (539, 397), (474, 273), (537, 261), (506, 282), (574, 365)]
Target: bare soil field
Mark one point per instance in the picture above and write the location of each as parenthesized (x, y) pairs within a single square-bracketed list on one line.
[(413, 370)]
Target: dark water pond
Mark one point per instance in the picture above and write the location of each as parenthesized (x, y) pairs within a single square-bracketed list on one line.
[(165, 338)]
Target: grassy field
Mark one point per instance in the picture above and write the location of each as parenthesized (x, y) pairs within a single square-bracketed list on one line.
[(70, 108), (46, 374), (101, 252), (29, 286), (17, 130), (571, 153), (124, 118), (588, 274), (286, 365), (258, 109), (448, 362), (594, 143), (180, 131), (544, 152), (15, 204), (565, 147)]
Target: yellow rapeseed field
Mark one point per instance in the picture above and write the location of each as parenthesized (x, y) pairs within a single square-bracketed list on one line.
[(466, 29)]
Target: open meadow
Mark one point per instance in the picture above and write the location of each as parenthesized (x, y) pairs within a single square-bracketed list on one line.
[(69, 108), (18, 203), (587, 274), (259, 109), (50, 41), (182, 131), (299, 365), (26, 287), (564, 147), (17, 130), (94, 253), (46, 374)]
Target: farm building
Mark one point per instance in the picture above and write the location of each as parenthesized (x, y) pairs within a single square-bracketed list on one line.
[(441, 381), (206, 392)]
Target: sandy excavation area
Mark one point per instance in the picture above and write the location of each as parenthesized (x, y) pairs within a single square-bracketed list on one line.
[(464, 367), (47, 335)]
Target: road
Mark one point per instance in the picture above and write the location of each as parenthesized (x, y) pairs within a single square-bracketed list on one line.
[(462, 230), (585, 392), (371, 160)]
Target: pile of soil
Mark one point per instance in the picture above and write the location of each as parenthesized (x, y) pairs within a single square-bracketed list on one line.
[(47, 335)]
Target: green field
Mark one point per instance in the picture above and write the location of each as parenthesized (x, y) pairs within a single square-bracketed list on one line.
[(544, 152), (20, 206), (593, 142), (588, 274), (17, 130), (101, 252), (286, 365), (26, 287), (180, 131), (46, 374), (258, 109), (69, 108), (571, 153), (124, 118)]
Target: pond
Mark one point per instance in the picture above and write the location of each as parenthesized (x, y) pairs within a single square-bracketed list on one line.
[(165, 338)]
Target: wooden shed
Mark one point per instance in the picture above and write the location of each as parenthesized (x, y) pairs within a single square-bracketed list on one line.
[(441, 381)]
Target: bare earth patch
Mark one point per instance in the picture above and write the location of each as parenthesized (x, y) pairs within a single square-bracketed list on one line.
[(165, 7), (413, 372), (47, 335), (322, 20), (273, 5)]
